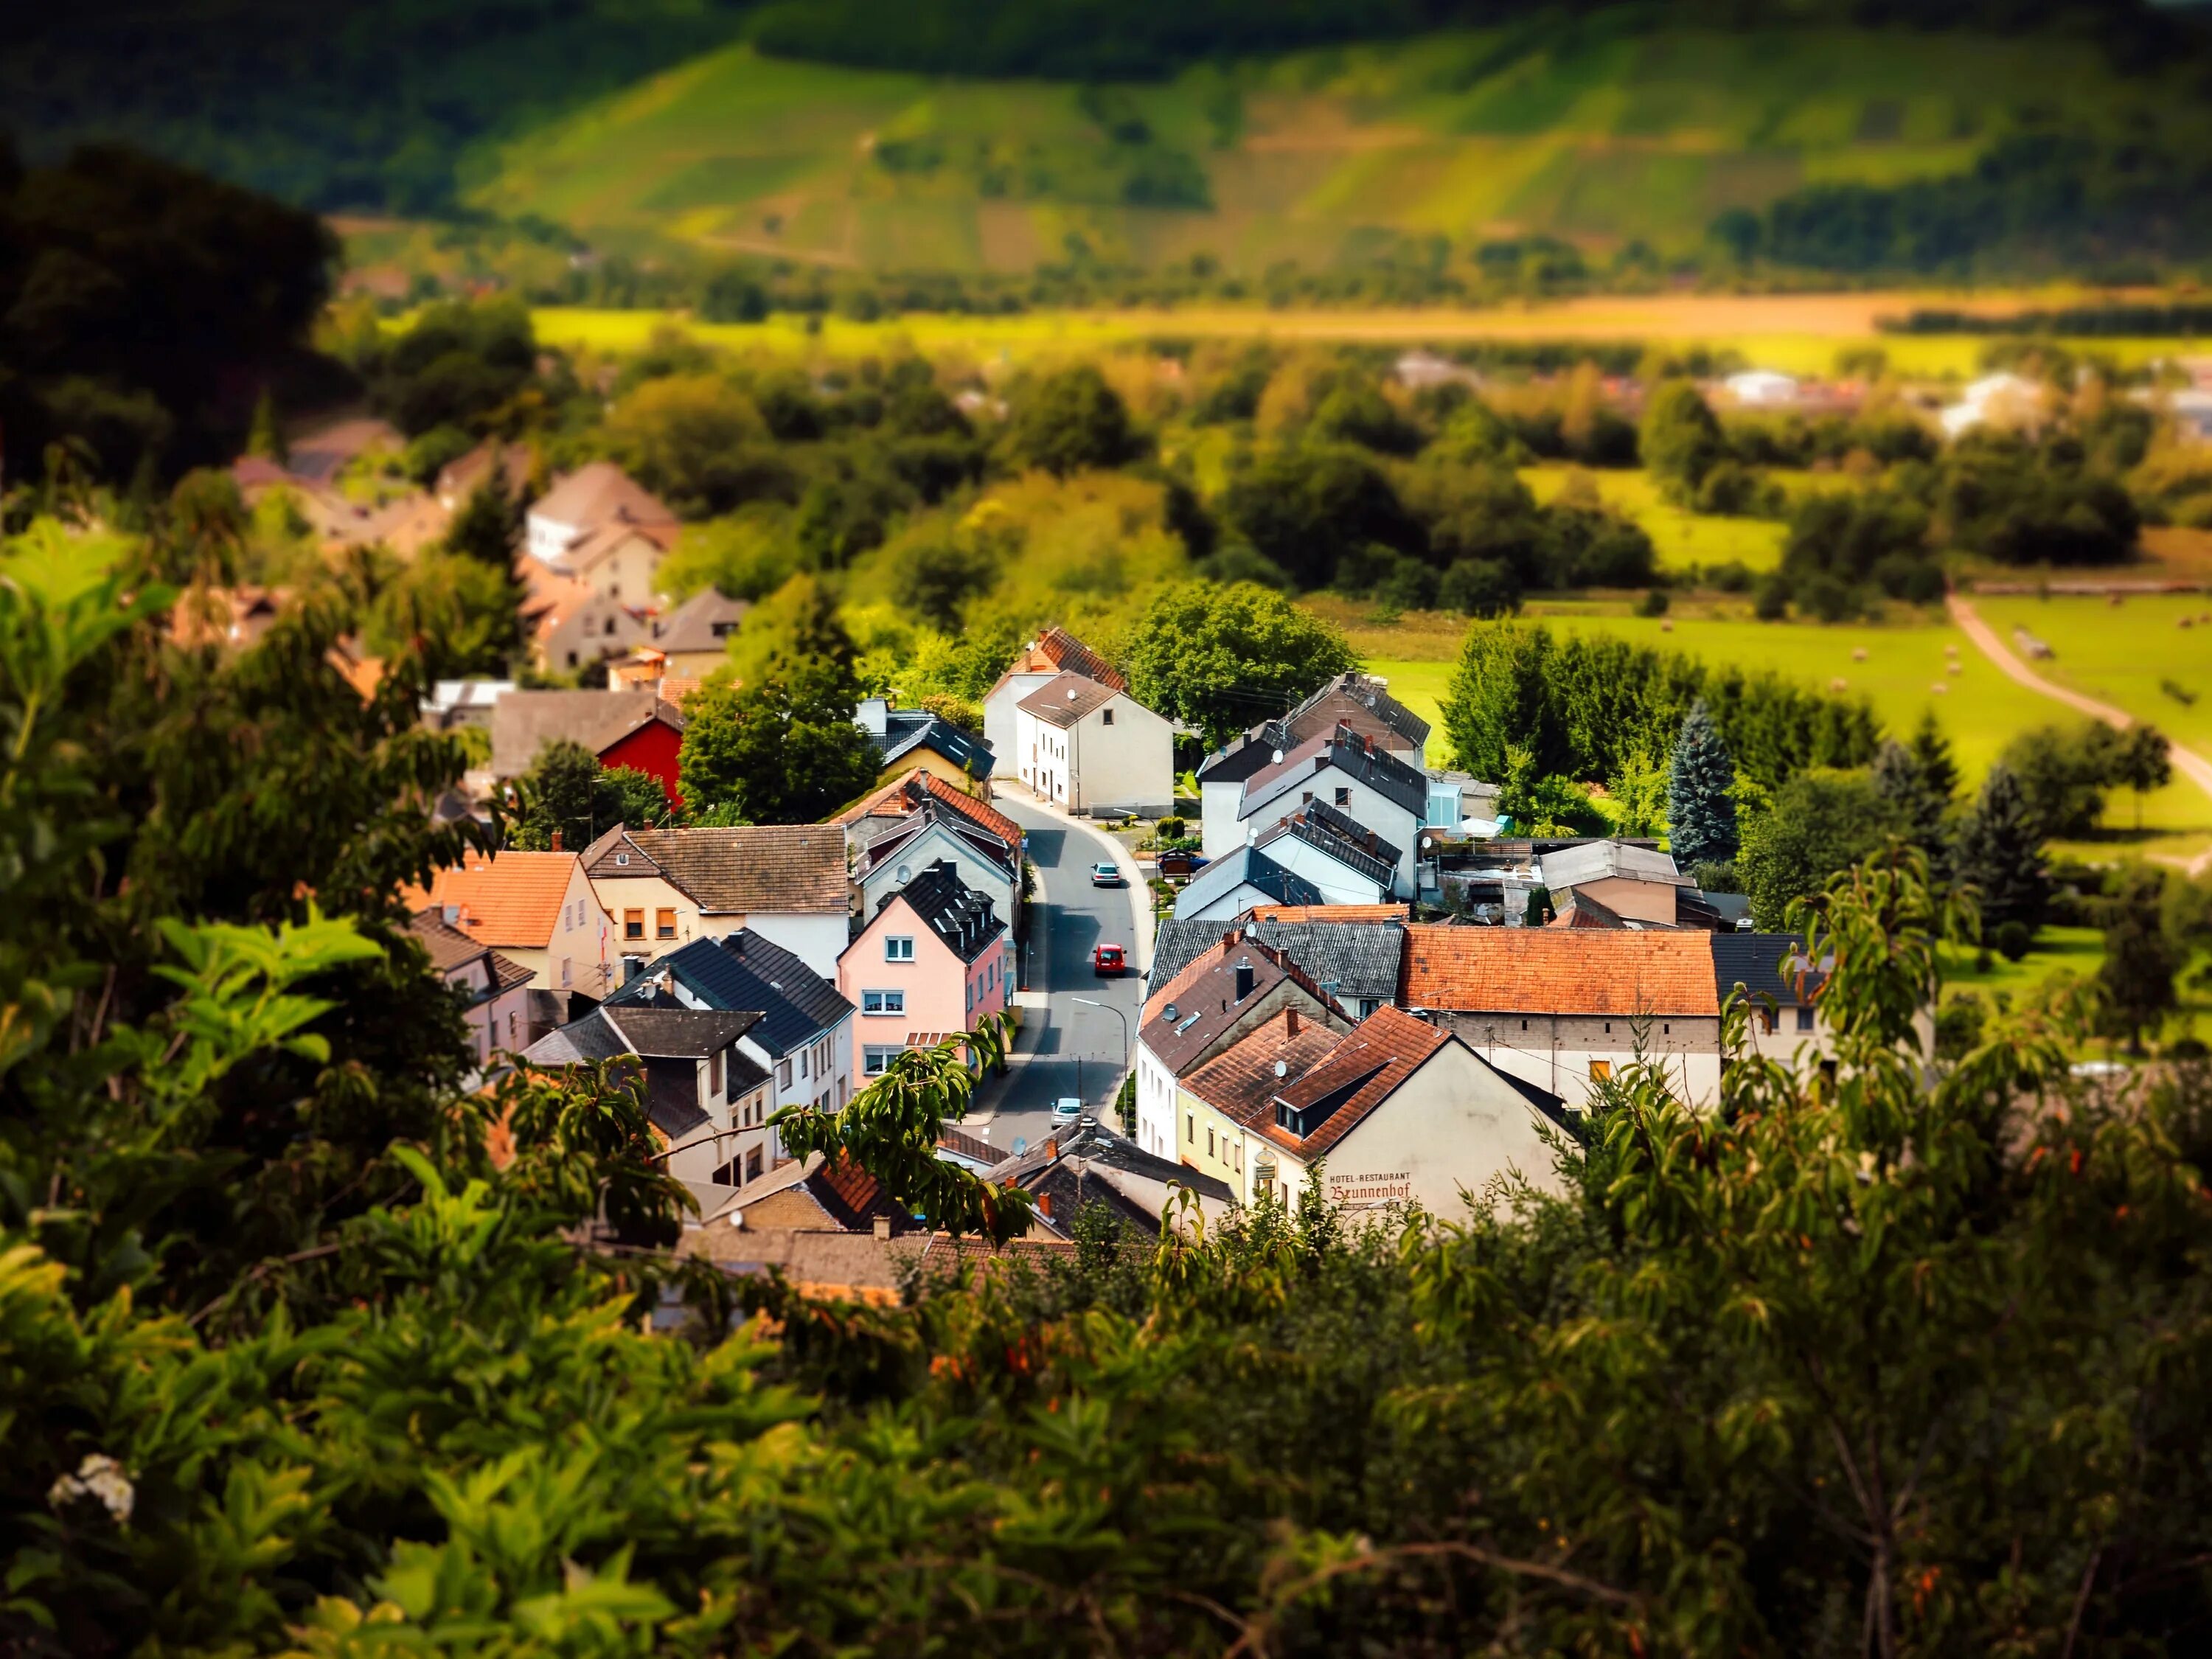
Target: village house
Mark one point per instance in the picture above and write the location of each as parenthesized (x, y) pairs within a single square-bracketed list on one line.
[(459, 479), (933, 832), (705, 1096), (904, 794), (1085, 1165), (1087, 747), (908, 738), (803, 1038), (1051, 654), (1367, 786), (1220, 995), (693, 639), (1231, 884), (573, 626), (1630, 885), (933, 960), (664, 888), (1397, 1111), (1352, 953), (535, 908), (1566, 1009), (1358, 703), (494, 989), (1347, 862), (634, 729), (602, 528), (346, 486)]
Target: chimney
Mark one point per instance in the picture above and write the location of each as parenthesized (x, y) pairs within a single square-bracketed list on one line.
[(1291, 1022), (1051, 1147), (874, 715), (1044, 1203), (556, 840), (1245, 978), (883, 1226)]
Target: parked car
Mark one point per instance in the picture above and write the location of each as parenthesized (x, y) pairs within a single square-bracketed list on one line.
[(1107, 875), (1109, 959), (1066, 1110), (1181, 866)]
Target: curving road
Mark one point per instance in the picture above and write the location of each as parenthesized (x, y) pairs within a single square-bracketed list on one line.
[(1067, 1048)]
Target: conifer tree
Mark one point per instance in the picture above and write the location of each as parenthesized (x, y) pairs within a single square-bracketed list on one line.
[(1700, 807), (2000, 851), (1917, 780)]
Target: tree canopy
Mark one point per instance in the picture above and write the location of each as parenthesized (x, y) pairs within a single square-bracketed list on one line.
[(1224, 658)]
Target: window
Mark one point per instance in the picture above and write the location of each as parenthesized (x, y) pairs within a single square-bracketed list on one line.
[(844, 1090), (664, 924), (1804, 1019), (567, 975), (876, 1058), (783, 1074), (1343, 798), (1240, 1157), (1305, 798), (898, 947), (1108, 720), (633, 924), (1524, 1025), (1600, 1070), (714, 1073), (753, 1164), (822, 1056), (572, 660), (882, 1002), (1190, 1128)]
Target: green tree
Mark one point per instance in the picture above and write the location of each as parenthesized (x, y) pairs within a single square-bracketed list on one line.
[(265, 436), (1820, 825), (1678, 439), (2140, 959), (1700, 794), (747, 555), (794, 625), (456, 614), (1071, 420), (1919, 789), (2063, 774), (1999, 852), (780, 749), (1221, 659), (695, 438), (2143, 763), (488, 527), (567, 792)]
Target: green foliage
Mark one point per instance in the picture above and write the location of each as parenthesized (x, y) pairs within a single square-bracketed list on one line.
[(695, 440), (1917, 781), (1309, 509), (1700, 801), (1222, 658), (1999, 852), (146, 335), (1580, 705), (782, 748), (2140, 959), (455, 365), (1486, 589), (1822, 823), (1070, 422), (2064, 772), (1541, 805), (795, 624), (456, 612), (1678, 439), (567, 792)]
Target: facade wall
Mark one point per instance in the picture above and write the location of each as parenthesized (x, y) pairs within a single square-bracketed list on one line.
[(651, 749), (498, 1023), (596, 630), (1000, 720), (1445, 1132), (1129, 762), (1556, 1052), (1228, 907), (629, 574), (932, 844), (816, 937), (581, 954), (928, 992), (1219, 831), (548, 538)]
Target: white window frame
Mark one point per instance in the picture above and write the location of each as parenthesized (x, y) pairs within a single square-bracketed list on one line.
[(898, 947), (877, 1004)]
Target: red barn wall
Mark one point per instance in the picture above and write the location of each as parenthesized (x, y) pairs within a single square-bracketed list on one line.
[(652, 748)]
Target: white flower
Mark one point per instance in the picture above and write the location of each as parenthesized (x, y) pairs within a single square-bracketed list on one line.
[(100, 1477)]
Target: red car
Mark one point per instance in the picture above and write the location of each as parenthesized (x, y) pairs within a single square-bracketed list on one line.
[(1109, 959)]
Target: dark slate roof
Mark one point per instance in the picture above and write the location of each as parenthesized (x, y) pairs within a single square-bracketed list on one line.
[(1094, 1142), (1362, 852), (745, 971), (906, 730), (1384, 773), (678, 1033), (1370, 693), (1233, 870), (959, 915), (1350, 959), (1766, 965), (902, 832), (1241, 757)]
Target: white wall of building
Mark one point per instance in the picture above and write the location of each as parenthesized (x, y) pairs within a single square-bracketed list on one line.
[(1218, 830), (1558, 1052), (1393, 822), (1338, 883), (999, 722), (1121, 754), (935, 843)]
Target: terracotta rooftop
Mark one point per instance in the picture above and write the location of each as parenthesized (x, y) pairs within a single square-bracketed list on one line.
[(894, 799), (1359, 1075), (510, 898), (1328, 913), (450, 948), (1057, 650), (1066, 699), (782, 868), (1241, 1082), (601, 493), (1544, 970)]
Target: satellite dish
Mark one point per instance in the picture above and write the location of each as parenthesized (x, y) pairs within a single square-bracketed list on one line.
[(1021, 1145), (1278, 758), (1282, 1068)]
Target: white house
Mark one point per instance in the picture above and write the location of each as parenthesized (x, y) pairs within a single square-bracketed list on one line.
[(494, 990), (602, 527), (1636, 883), (1238, 881), (1087, 747), (1372, 787), (901, 848), (1043, 659), (1397, 1111), (1347, 862), (664, 888)]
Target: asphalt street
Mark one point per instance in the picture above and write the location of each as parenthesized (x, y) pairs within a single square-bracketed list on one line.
[(1066, 1047)]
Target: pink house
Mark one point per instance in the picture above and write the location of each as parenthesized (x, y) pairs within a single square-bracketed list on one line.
[(934, 959)]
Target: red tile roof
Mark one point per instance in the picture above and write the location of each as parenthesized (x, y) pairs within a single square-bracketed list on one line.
[(1328, 913), (1057, 650), (1545, 970), (1241, 1083), (510, 898), (890, 802), (1387, 1047)]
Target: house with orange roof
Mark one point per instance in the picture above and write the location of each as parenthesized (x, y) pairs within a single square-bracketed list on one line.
[(599, 527), (1566, 1008), (1396, 1111), (537, 910), (868, 817), (1044, 658)]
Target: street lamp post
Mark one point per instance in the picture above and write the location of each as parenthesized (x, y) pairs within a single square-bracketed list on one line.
[(1093, 1002)]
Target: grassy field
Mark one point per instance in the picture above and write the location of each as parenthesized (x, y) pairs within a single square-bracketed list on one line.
[(1682, 538), (2136, 655), (1596, 134), (1778, 332)]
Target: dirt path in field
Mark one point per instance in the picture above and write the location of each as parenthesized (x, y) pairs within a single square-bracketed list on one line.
[(2187, 761)]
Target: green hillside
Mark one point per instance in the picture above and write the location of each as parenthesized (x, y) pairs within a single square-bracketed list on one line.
[(1604, 135)]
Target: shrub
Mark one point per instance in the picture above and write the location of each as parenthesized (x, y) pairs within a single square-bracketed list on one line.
[(2014, 939), (1479, 588), (1653, 604)]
